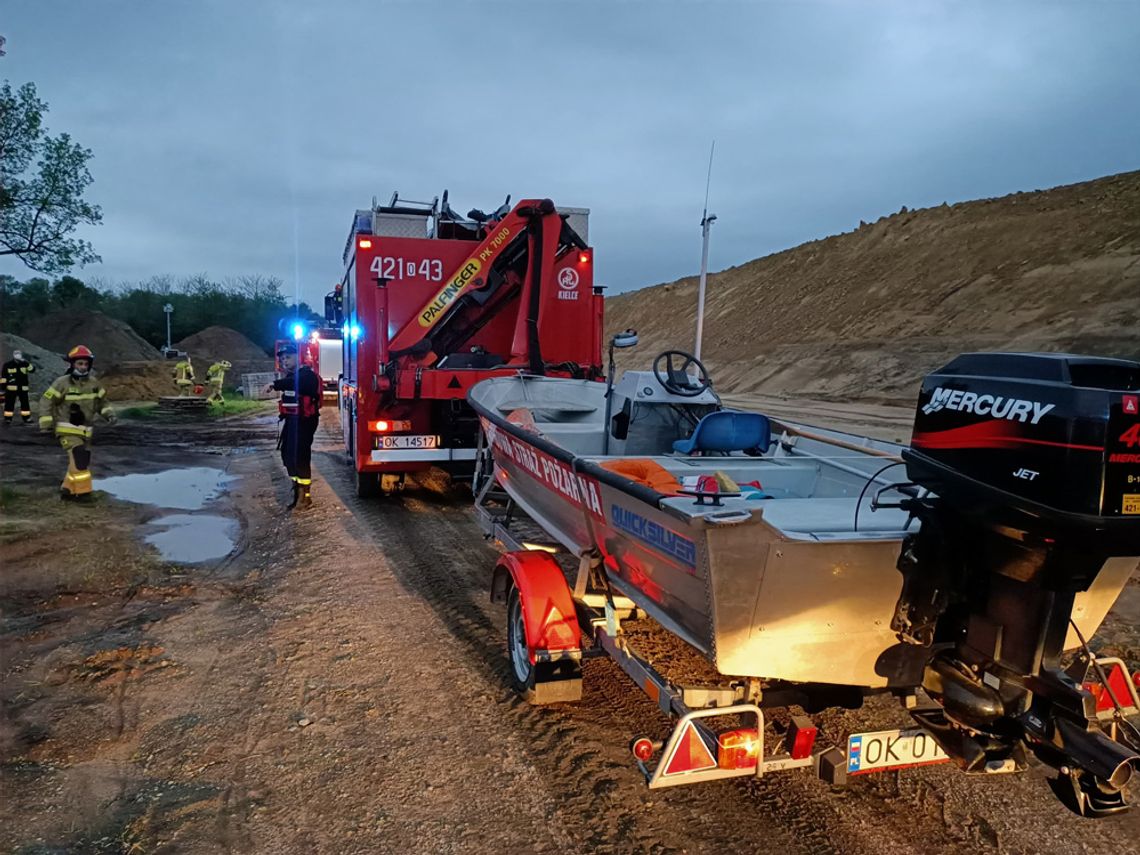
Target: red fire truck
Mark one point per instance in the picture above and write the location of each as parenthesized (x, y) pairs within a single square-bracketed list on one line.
[(433, 303)]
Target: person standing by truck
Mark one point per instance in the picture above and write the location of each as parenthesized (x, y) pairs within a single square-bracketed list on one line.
[(16, 371), (299, 411), (70, 405)]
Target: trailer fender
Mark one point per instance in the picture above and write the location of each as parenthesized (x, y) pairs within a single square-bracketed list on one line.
[(548, 609)]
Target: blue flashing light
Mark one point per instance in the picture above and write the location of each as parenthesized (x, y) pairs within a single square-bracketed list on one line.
[(344, 329), (354, 332), (298, 331)]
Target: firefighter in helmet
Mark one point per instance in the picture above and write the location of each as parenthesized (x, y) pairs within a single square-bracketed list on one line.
[(70, 406), (299, 411), (216, 376), (184, 376), (16, 371)]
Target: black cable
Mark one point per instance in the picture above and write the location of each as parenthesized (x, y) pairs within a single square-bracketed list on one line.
[(863, 492)]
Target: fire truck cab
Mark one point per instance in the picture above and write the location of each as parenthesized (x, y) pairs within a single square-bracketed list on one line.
[(433, 302)]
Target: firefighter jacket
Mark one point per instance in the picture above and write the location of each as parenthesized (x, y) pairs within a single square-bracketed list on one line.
[(71, 403), (300, 393), (216, 373), (16, 374), (184, 372)]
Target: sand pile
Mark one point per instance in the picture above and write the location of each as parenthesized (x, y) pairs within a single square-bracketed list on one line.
[(139, 381), (49, 365), (866, 313), (216, 343), (110, 340)]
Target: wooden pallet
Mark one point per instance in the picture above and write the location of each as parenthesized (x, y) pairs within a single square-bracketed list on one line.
[(183, 406)]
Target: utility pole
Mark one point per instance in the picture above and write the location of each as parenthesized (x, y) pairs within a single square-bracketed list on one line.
[(168, 309), (707, 220)]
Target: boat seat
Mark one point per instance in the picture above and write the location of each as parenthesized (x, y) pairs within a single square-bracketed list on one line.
[(727, 430)]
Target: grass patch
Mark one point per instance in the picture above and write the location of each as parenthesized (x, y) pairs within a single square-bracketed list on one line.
[(238, 406), (9, 496), (143, 411)]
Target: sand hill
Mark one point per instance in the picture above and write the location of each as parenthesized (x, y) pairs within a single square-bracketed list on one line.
[(865, 314), (110, 340)]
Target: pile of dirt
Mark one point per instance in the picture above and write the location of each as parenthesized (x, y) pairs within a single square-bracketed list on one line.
[(139, 381), (112, 341), (214, 343), (48, 365), (866, 313)]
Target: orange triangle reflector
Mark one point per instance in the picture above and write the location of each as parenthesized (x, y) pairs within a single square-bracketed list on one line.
[(690, 753)]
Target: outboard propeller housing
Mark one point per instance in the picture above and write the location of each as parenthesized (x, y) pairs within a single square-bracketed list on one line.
[(1032, 463)]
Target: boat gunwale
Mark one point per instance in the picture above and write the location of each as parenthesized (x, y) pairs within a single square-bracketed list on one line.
[(578, 464)]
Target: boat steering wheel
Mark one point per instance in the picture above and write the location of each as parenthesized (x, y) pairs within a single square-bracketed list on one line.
[(678, 381)]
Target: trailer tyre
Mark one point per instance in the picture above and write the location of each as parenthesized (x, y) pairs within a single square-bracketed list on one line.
[(367, 484), (522, 669)]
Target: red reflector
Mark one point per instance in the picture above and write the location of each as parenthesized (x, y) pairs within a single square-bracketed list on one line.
[(642, 749), (583, 258), (1119, 685), (690, 754), (738, 749), (801, 737), (364, 243)]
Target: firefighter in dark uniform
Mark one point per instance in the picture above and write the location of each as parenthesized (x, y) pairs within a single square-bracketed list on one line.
[(299, 410), (16, 371)]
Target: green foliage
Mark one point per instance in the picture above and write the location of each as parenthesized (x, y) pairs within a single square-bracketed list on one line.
[(143, 411), (44, 179), (252, 305), (239, 406)]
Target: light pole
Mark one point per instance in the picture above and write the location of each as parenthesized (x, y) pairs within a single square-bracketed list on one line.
[(168, 309), (706, 224)]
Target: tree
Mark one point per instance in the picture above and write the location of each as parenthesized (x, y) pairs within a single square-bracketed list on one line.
[(42, 181)]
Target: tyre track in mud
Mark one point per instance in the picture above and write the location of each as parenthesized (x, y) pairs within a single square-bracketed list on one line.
[(433, 545)]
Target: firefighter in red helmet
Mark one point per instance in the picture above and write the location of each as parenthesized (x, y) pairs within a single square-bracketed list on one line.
[(299, 410), (70, 406)]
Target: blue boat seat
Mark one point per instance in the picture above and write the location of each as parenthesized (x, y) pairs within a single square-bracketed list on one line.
[(726, 431)]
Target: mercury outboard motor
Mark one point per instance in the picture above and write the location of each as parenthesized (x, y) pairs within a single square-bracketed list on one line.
[(1032, 463)]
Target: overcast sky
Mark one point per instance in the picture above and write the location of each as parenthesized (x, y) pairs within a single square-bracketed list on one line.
[(234, 137)]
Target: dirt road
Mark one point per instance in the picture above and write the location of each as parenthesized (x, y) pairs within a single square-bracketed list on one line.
[(339, 684)]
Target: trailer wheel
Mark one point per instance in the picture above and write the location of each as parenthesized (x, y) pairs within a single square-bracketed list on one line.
[(522, 669), (367, 484)]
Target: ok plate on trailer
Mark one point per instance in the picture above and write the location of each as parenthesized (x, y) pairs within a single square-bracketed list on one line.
[(891, 749)]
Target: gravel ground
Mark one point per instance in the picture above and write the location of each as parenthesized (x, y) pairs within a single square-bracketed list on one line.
[(339, 684)]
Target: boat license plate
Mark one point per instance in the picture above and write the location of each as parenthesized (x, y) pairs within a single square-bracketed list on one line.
[(891, 749), (387, 442)]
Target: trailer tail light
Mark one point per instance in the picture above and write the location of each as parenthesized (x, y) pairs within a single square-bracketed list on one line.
[(364, 243), (801, 737), (738, 749), (389, 426), (583, 258)]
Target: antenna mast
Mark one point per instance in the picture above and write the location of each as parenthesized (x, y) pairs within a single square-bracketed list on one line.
[(706, 223)]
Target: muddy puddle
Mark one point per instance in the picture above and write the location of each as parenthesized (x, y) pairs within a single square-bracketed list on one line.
[(188, 489), (192, 538), (185, 538)]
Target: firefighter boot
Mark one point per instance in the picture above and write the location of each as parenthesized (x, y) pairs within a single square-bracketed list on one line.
[(77, 482), (305, 500), (296, 494)]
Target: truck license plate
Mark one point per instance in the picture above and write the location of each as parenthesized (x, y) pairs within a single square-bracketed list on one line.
[(387, 442), (891, 749)]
